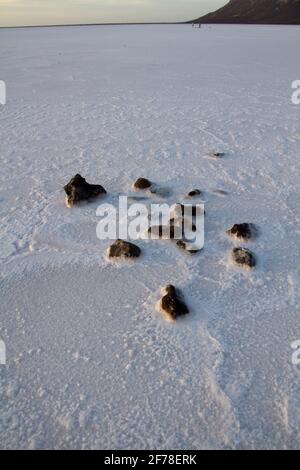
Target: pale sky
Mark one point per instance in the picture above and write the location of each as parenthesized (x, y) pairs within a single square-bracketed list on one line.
[(42, 12)]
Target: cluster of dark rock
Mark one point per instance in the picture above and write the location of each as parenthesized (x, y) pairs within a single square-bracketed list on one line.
[(242, 257), (171, 304), (176, 227), (180, 225)]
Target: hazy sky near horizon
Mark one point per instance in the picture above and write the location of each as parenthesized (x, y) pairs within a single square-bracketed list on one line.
[(39, 12)]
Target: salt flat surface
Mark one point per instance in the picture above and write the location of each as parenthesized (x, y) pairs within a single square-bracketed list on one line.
[(90, 363)]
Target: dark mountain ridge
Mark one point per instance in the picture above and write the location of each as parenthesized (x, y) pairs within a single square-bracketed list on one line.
[(255, 12)]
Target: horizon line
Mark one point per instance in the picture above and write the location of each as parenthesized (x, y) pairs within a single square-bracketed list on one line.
[(96, 24), (151, 23)]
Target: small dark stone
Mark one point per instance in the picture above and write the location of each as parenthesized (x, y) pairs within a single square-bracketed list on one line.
[(158, 231), (169, 232), (218, 154), (142, 183), (172, 231), (183, 246), (79, 190), (186, 225), (241, 231), (160, 191), (190, 209), (171, 304), (123, 249), (243, 258), (194, 193)]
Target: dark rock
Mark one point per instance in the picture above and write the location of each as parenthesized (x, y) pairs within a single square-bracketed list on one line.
[(241, 231), (183, 246), (243, 258), (187, 225), (158, 231), (160, 191), (123, 249), (218, 154), (215, 155), (194, 193), (171, 305), (167, 232), (79, 190), (172, 231), (142, 183), (185, 209)]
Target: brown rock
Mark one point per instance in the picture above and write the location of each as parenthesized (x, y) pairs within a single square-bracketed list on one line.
[(171, 305), (123, 249), (183, 246), (142, 183), (241, 231), (189, 209), (78, 190), (243, 258)]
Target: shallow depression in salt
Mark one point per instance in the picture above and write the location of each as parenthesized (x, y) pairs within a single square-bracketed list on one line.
[(90, 362)]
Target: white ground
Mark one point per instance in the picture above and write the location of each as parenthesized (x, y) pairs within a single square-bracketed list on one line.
[(90, 363)]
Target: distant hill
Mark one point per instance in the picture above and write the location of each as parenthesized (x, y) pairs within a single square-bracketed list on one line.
[(255, 12)]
